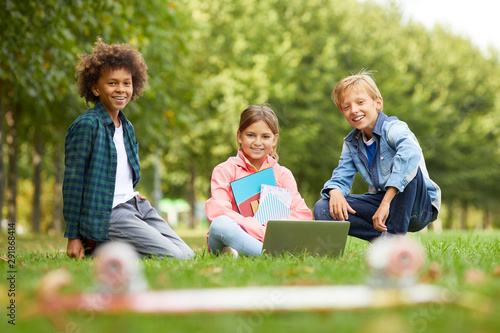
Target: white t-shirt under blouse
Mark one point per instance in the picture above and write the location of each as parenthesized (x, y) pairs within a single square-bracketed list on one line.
[(124, 186)]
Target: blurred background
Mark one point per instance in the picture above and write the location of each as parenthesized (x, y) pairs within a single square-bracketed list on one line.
[(208, 60)]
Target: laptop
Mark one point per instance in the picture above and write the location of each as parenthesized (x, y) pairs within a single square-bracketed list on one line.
[(320, 238)]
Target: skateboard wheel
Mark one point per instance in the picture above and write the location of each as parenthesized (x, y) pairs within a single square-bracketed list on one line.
[(116, 266), (405, 259), (396, 257)]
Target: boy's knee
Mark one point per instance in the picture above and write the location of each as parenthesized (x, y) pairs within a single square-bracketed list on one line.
[(187, 254), (321, 209), (169, 250), (173, 253)]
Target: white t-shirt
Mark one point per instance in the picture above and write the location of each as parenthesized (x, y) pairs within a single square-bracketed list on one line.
[(124, 185)]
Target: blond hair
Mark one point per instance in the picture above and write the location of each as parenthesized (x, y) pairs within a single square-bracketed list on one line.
[(363, 81)]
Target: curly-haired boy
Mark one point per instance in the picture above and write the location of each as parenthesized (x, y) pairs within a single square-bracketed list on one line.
[(102, 161)]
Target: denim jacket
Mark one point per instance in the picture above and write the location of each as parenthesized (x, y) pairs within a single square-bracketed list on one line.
[(395, 163)]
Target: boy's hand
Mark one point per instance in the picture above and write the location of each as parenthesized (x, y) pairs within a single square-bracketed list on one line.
[(141, 196), (380, 217), (75, 248), (339, 208), (382, 212)]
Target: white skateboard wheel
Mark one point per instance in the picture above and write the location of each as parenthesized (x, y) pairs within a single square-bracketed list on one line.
[(396, 257), (405, 259), (117, 266)]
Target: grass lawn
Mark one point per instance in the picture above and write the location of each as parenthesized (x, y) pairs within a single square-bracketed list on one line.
[(465, 264)]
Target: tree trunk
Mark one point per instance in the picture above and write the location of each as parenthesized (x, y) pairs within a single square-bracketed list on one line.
[(157, 193), (37, 180), (2, 166), (12, 141), (488, 220), (479, 222), (191, 195), (463, 217), (448, 219), (59, 174)]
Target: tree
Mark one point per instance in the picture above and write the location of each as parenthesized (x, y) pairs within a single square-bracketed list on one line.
[(208, 60)]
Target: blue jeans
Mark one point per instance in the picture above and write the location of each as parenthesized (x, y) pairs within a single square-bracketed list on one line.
[(136, 222), (410, 210), (224, 231)]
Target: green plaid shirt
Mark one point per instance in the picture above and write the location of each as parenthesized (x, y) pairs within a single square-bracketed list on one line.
[(90, 174)]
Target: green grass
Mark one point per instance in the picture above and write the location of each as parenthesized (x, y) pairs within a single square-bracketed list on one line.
[(464, 264)]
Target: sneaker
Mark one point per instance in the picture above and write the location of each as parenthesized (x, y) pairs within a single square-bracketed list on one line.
[(230, 251)]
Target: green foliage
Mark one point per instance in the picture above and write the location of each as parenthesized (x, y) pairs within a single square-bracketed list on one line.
[(209, 59)]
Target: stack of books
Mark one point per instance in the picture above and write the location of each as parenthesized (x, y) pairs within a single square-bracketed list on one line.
[(257, 195)]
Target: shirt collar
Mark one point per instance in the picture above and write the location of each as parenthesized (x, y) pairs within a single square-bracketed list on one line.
[(382, 117), (250, 166), (355, 134), (105, 117)]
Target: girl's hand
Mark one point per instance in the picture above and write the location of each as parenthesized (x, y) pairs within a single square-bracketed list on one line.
[(141, 196), (339, 208)]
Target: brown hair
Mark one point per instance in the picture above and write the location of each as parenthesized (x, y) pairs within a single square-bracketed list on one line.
[(357, 82), (255, 113), (106, 57)]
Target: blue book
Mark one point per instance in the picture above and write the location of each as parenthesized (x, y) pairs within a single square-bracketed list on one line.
[(247, 189)]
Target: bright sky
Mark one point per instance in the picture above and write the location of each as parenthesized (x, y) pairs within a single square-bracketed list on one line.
[(476, 19)]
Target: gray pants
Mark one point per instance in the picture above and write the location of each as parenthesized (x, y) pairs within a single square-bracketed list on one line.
[(136, 222)]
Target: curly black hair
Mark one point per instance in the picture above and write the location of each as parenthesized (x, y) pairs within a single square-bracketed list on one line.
[(107, 57)]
